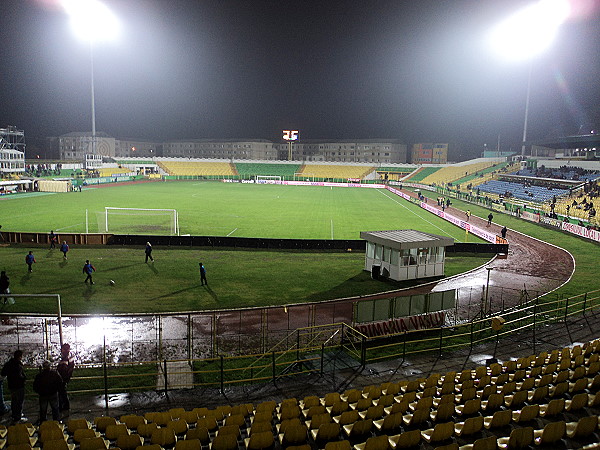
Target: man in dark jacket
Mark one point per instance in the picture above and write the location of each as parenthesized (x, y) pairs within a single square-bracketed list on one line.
[(65, 370), (46, 384), (15, 377)]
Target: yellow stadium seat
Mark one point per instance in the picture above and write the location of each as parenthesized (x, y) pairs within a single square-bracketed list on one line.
[(129, 441)]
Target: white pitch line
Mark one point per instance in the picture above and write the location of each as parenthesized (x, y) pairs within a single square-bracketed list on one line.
[(415, 213), (232, 232), (70, 226)]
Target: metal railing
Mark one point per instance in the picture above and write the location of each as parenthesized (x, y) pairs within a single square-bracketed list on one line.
[(314, 346)]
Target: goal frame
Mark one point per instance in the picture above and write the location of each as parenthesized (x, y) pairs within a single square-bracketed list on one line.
[(173, 211), (268, 178)]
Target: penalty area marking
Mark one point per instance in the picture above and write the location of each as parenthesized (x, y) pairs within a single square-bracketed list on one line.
[(233, 231)]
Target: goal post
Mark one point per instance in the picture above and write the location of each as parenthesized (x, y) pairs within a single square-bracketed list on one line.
[(267, 178), (138, 221)]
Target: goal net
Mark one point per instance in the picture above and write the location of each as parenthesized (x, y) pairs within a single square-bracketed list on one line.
[(138, 221), (266, 179)]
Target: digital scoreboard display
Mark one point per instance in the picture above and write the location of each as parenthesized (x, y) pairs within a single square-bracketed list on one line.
[(290, 135)]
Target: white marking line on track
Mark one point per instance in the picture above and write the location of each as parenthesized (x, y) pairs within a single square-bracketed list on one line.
[(413, 212), (232, 232)]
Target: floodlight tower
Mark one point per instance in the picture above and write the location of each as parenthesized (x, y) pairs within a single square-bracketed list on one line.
[(92, 21), (528, 33)]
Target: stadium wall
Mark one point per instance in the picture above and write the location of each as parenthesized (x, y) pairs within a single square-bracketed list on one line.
[(353, 245)]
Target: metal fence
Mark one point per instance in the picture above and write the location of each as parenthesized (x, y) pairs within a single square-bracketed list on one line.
[(311, 349), (210, 334)]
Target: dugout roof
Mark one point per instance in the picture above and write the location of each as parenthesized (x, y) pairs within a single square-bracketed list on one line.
[(406, 239)]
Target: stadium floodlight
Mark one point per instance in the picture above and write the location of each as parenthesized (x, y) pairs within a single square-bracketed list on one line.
[(530, 30), (526, 34), (92, 21)]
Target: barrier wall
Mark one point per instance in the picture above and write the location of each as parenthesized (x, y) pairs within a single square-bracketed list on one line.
[(354, 245)]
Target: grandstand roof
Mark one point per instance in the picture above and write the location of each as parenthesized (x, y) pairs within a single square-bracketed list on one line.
[(581, 141), (86, 134), (208, 140), (405, 239)]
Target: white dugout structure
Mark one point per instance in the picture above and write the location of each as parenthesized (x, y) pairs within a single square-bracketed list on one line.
[(405, 254)]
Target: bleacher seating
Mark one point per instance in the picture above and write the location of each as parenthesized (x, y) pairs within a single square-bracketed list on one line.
[(451, 173), (422, 173), (520, 191), (565, 174), (512, 405), (112, 171), (335, 171), (285, 171), (197, 168)]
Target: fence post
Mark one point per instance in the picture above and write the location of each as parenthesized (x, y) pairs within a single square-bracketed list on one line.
[(165, 375), (566, 308), (471, 335), (273, 364), (534, 323), (105, 374), (189, 337), (584, 302), (222, 373), (322, 357), (363, 352), (441, 338)]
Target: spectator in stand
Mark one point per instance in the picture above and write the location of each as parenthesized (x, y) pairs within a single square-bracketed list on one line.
[(65, 368), (15, 377), (47, 384)]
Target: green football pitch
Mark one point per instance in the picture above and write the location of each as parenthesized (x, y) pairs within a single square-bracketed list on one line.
[(224, 209), (237, 278)]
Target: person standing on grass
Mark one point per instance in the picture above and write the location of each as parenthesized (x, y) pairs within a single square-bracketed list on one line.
[(29, 260), (15, 377), (53, 239), (88, 269), (64, 248), (202, 275), (47, 384), (148, 252)]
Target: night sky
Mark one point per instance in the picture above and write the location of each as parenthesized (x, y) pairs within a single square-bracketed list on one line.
[(419, 71)]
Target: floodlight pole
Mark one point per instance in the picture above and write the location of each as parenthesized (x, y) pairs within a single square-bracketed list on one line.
[(526, 109), (93, 97)]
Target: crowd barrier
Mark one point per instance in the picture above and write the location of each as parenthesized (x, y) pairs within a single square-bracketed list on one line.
[(13, 237)]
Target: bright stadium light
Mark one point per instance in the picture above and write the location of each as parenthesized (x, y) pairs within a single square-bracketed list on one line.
[(529, 31), (526, 34), (92, 20)]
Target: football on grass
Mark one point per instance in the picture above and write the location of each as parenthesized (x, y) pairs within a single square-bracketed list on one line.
[(112, 282)]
